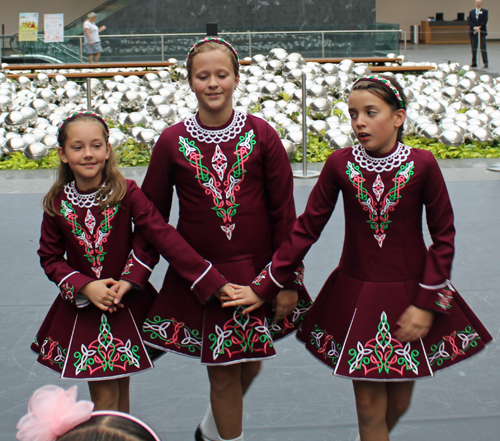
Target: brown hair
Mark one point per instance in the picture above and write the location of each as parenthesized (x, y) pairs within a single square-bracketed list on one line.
[(108, 428), (210, 46), (109, 195), (385, 94)]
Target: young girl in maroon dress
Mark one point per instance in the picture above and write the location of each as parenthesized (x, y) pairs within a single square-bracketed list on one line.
[(235, 188), (388, 314), (86, 249)]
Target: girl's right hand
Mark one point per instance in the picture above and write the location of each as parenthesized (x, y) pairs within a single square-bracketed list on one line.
[(245, 296), (100, 294), (225, 293)]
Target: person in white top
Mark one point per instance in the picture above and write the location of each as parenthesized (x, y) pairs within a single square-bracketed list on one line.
[(92, 42)]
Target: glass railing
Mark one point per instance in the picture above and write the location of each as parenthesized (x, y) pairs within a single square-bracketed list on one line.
[(380, 41)]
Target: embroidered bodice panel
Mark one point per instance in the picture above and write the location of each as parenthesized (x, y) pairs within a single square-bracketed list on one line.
[(222, 187), (90, 238), (378, 202)]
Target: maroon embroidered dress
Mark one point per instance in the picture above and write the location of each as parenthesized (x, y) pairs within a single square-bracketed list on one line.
[(235, 190), (86, 243), (385, 266)]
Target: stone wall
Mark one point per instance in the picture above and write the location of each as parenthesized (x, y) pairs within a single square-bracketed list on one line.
[(192, 15)]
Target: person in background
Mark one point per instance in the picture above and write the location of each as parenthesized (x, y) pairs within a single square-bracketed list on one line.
[(477, 19), (92, 42)]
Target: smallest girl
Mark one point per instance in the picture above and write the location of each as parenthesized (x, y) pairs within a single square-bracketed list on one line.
[(388, 314), (54, 414), (86, 248)]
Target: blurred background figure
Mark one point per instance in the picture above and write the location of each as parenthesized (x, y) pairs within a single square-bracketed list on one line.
[(92, 42)]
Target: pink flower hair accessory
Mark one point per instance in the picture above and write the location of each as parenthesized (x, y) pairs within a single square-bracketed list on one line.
[(52, 411)]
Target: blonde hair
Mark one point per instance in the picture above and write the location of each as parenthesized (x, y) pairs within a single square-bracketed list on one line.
[(115, 187)]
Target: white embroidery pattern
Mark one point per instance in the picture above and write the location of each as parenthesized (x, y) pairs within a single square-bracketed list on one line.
[(82, 200), (228, 229), (380, 165), (219, 162), (90, 221), (216, 136), (378, 187)]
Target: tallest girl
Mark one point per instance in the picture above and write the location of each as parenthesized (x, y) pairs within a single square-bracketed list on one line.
[(235, 189)]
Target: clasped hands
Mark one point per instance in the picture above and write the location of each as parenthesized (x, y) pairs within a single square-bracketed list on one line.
[(106, 294), (232, 294)]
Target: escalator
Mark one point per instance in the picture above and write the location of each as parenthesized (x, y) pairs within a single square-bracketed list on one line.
[(69, 51)]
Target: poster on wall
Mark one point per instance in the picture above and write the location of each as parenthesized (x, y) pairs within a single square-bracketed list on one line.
[(28, 26), (53, 30)]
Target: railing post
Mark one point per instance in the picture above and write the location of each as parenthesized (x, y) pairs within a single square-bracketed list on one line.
[(323, 45), (304, 173), (249, 44), (89, 95), (162, 50), (404, 39), (81, 50)]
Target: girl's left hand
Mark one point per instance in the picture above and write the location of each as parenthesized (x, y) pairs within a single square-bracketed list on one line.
[(244, 295), (414, 323), (121, 288), (284, 303)]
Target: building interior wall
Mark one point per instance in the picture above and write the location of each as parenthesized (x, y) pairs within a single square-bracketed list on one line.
[(411, 12), (403, 12)]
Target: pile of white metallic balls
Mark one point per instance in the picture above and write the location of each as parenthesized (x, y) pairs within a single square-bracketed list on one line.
[(442, 105)]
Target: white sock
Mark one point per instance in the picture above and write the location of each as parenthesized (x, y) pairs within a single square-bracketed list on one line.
[(208, 426), (240, 438)]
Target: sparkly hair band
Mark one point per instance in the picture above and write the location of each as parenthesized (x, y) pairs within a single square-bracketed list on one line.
[(384, 82), (53, 411), (78, 114), (215, 40)]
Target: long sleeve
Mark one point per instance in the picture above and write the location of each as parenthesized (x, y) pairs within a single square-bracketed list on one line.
[(52, 259), (149, 223), (144, 256), (305, 233), (434, 288), (278, 180)]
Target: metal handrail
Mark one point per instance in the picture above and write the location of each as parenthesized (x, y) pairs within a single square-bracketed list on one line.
[(248, 34)]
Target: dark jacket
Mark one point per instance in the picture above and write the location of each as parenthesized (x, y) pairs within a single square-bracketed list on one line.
[(480, 21)]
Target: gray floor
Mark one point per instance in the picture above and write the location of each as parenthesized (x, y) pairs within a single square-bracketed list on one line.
[(295, 398), (454, 53)]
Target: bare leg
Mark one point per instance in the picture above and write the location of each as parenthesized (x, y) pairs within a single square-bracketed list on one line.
[(105, 394), (97, 56), (249, 371), (124, 394), (228, 384), (398, 401), (91, 56), (371, 406)]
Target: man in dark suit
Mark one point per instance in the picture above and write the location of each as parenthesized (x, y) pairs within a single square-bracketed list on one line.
[(477, 20)]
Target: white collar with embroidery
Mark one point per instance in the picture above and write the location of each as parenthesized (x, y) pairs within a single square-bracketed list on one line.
[(379, 165), (82, 200), (216, 136)]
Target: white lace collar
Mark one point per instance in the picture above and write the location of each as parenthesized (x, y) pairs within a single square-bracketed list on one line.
[(216, 136), (380, 165), (82, 200)]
